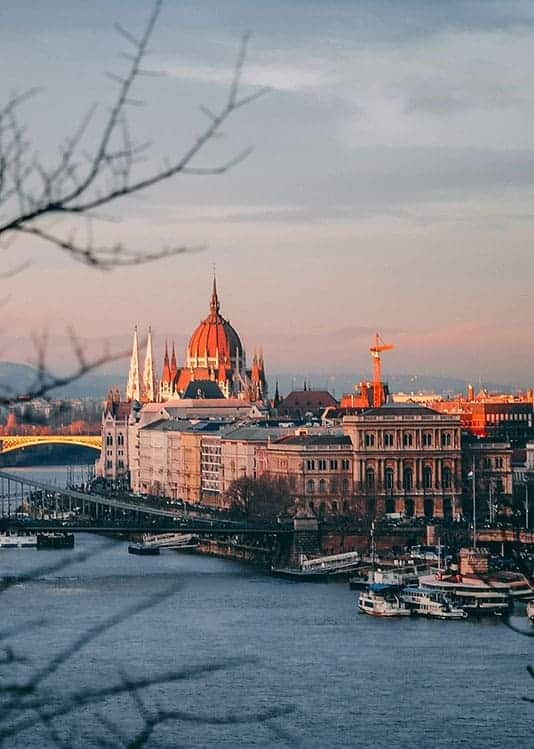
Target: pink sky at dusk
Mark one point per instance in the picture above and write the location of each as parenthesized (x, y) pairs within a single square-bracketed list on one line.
[(390, 187)]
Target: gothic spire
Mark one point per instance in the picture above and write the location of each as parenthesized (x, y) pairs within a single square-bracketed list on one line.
[(133, 389), (214, 304), (149, 390), (174, 368)]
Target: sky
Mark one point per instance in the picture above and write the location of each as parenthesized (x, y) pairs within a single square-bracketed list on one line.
[(390, 187)]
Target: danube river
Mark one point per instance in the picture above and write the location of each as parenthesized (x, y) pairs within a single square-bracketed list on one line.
[(191, 651)]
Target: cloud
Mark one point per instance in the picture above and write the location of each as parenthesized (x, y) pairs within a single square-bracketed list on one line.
[(278, 77)]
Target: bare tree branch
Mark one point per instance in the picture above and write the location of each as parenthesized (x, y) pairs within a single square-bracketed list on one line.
[(73, 188)]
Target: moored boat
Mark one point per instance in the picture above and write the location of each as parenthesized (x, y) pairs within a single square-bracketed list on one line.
[(382, 600), (530, 611), (143, 549), (431, 603), (473, 593), (16, 541), (55, 540)]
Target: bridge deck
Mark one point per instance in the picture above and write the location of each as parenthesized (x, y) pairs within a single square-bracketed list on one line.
[(170, 520)]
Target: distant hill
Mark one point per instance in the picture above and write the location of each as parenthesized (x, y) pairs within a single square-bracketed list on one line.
[(18, 378), (340, 383)]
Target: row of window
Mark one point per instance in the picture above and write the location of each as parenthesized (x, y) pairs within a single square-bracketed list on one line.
[(325, 465), (371, 439), (408, 479), (120, 439), (321, 486), (486, 463)]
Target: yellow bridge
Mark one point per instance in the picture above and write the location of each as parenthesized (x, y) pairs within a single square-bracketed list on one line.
[(9, 444)]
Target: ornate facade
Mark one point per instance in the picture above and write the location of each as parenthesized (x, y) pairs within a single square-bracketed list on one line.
[(214, 354), (407, 460)]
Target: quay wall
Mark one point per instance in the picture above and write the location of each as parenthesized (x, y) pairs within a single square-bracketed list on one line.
[(339, 541), (257, 555)]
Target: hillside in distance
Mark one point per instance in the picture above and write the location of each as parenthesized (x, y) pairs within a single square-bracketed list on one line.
[(19, 378)]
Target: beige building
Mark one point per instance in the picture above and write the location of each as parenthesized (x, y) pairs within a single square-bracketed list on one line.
[(318, 468), (407, 460)]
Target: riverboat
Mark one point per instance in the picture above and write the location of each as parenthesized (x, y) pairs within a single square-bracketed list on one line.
[(16, 541), (431, 603), (55, 541), (475, 594), (401, 575), (530, 611), (143, 549), (382, 600)]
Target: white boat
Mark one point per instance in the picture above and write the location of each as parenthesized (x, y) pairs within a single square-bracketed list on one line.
[(432, 603), (14, 541), (382, 600), (473, 593), (530, 611)]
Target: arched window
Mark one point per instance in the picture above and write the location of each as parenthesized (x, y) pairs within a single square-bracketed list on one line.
[(120, 439), (447, 477), (322, 510), (333, 507), (346, 506), (408, 479), (109, 439), (388, 479), (333, 486), (310, 485), (427, 477), (322, 486), (409, 507), (388, 439), (427, 439), (407, 439), (446, 439), (369, 440), (370, 478), (345, 485), (429, 508)]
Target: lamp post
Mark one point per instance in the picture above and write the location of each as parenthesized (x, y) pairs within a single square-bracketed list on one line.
[(474, 505)]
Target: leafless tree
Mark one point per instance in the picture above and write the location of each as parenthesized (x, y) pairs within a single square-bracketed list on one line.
[(34, 196)]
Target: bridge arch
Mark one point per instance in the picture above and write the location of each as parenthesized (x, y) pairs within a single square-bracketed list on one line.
[(11, 443)]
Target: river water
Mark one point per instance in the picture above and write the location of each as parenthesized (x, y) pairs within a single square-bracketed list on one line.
[(191, 651)]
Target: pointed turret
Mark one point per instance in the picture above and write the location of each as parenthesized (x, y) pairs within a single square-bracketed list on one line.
[(174, 368), (276, 399), (133, 389), (214, 304), (166, 372), (149, 383)]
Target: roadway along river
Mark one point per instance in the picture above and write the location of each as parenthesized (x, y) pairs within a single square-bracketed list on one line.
[(240, 660)]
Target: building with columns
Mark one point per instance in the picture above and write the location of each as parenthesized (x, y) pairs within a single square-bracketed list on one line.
[(407, 459)]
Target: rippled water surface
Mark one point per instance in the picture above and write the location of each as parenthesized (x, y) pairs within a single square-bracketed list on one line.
[(239, 659)]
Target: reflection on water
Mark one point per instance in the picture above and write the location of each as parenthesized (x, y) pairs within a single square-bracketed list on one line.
[(239, 659)]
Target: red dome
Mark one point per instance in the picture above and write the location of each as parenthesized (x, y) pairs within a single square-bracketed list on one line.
[(214, 342)]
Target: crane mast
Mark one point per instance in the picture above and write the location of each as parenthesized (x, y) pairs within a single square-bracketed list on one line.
[(376, 351)]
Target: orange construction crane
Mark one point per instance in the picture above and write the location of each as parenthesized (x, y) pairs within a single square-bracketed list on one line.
[(375, 351)]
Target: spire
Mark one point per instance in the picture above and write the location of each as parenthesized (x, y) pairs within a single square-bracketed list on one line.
[(214, 304), (174, 368), (276, 400), (133, 389), (166, 373), (149, 389)]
